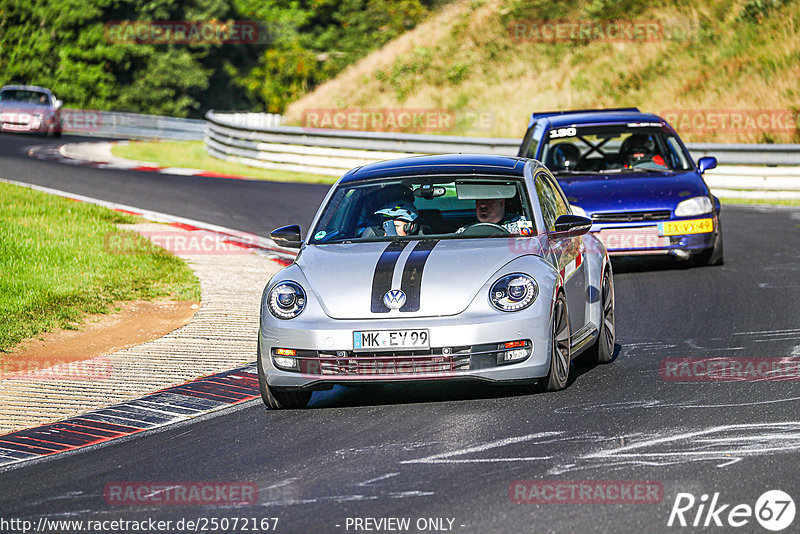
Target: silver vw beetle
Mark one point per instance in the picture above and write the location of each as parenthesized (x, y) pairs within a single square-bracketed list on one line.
[(436, 268)]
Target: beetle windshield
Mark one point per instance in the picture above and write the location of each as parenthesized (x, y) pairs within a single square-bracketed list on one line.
[(447, 207)]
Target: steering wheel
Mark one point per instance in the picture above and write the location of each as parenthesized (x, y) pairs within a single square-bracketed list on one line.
[(485, 229)]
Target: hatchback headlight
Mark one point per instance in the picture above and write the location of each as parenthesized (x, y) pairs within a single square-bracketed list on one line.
[(286, 300), (693, 206), (513, 292)]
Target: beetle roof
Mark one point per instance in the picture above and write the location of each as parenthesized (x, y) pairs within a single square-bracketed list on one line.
[(464, 164)]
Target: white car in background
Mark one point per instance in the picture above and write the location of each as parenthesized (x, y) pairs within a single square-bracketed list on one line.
[(29, 109)]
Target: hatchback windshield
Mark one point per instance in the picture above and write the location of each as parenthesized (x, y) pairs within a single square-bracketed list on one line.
[(613, 148), (447, 207), (24, 96)]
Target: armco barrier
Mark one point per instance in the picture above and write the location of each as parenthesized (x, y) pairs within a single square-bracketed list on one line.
[(130, 125), (329, 152), (730, 181), (238, 137)]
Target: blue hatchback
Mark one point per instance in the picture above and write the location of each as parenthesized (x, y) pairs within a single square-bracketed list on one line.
[(632, 175)]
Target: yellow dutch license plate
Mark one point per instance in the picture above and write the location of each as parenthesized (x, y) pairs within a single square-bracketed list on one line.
[(694, 226)]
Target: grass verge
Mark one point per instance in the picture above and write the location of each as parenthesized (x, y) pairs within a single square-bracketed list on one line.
[(762, 201), (55, 267), (193, 155)]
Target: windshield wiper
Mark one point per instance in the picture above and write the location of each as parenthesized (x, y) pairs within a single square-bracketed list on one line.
[(568, 171), (634, 169)]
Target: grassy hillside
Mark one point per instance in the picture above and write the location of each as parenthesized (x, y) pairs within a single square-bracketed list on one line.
[(468, 58)]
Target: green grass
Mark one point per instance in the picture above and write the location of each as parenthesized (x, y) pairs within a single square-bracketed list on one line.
[(193, 155), (762, 201), (55, 267)]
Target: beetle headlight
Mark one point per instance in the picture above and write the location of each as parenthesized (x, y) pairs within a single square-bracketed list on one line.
[(286, 300), (513, 292), (693, 206)]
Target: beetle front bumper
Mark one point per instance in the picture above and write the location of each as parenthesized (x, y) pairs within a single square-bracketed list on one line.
[(460, 347)]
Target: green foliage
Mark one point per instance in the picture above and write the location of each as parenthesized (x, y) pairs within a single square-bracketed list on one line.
[(409, 71), (756, 10), (318, 39), (70, 47)]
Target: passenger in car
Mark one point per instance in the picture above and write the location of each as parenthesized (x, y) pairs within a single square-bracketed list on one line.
[(399, 219)]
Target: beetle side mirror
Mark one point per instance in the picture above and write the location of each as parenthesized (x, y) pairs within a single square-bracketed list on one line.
[(570, 225), (287, 236), (707, 163)]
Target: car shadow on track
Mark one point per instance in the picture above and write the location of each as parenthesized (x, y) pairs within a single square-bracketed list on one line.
[(580, 366), (633, 264)]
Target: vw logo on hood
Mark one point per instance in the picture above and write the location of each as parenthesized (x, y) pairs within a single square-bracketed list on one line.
[(394, 299)]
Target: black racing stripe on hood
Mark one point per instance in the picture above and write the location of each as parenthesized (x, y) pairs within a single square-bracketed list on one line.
[(412, 274), (384, 271)]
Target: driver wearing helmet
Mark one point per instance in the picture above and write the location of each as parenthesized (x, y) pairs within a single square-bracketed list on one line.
[(493, 211), (564, 157), (639, 148), (399, 219)]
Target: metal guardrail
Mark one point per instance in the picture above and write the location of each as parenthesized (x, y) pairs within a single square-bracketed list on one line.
[(232, 136), (745, 154), (131, 125)]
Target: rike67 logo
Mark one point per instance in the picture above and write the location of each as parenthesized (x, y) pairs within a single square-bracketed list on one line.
[(774, 510)]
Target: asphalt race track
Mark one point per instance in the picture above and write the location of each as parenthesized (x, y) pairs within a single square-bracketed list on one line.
[(454, 451)]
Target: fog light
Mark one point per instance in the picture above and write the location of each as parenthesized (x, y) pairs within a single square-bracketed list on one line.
[(520, 350), (285, 363), (283, 358)]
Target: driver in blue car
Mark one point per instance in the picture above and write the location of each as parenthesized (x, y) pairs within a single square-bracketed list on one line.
[(493, 211)]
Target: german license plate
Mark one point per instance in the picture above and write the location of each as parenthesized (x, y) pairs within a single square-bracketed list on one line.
[(390, 339), (694, 226)]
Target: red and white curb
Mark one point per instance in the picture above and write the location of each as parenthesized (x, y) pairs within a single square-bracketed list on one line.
[(100, 157), (568, 270), (165, 407)]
